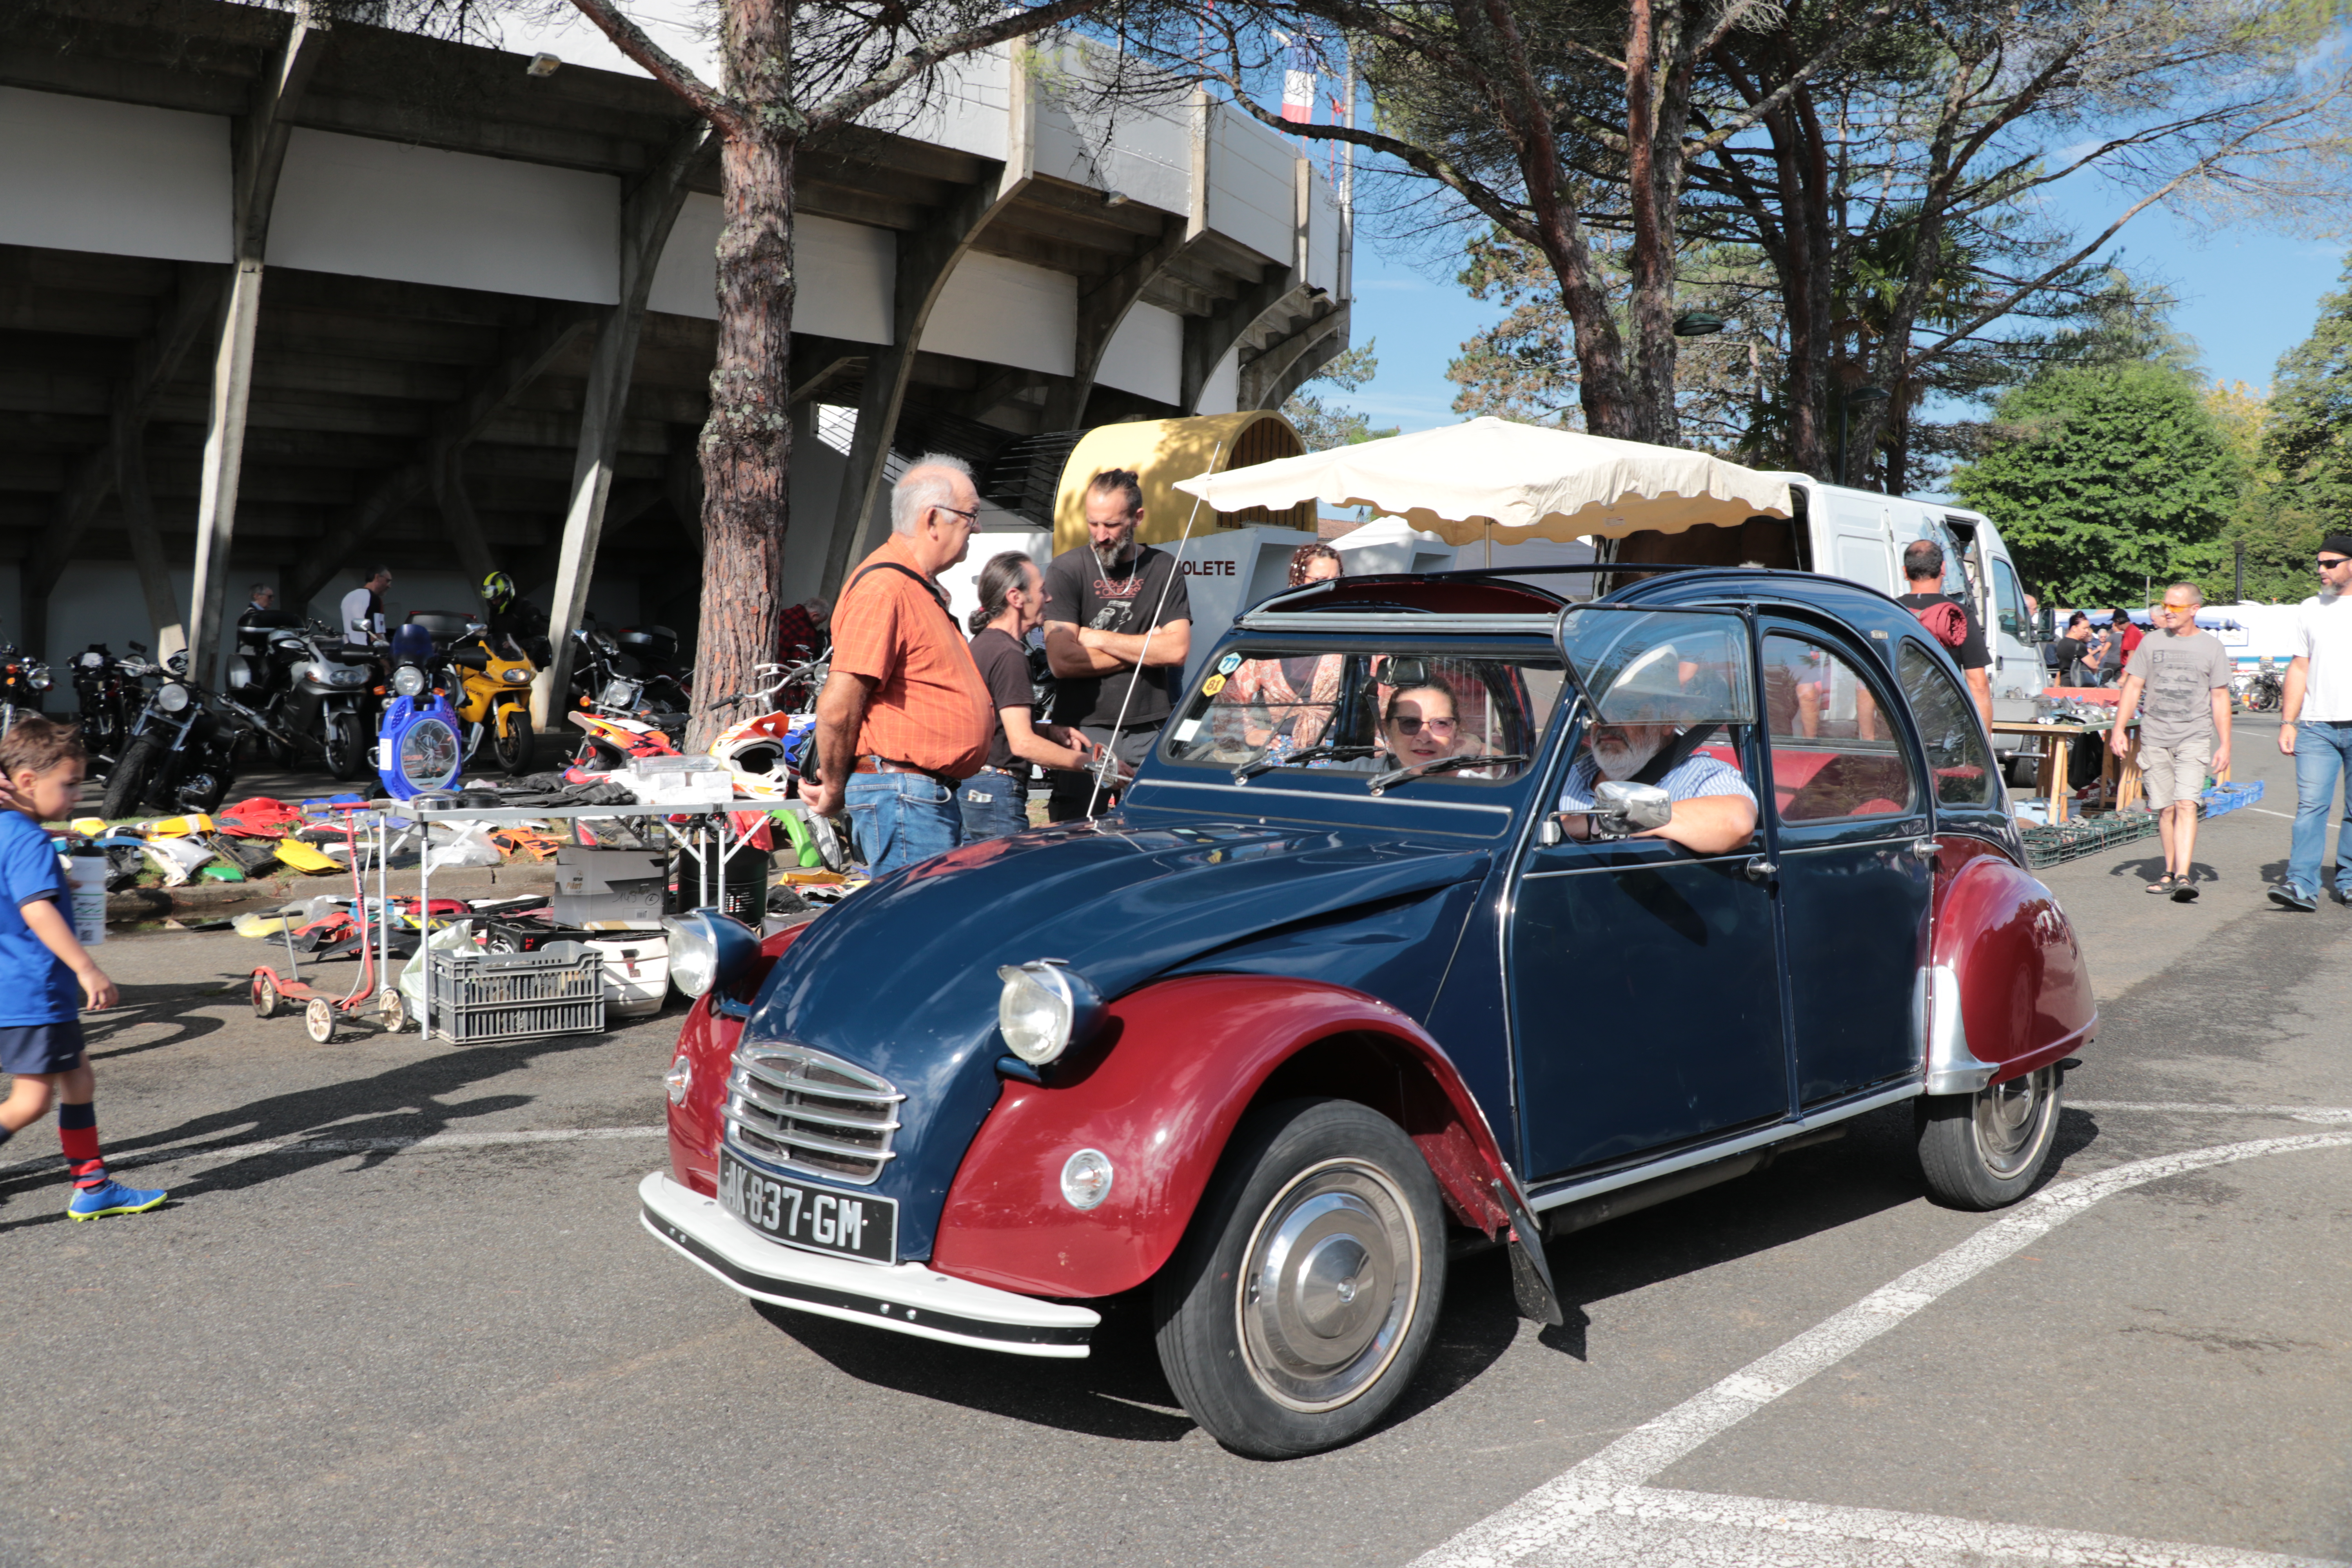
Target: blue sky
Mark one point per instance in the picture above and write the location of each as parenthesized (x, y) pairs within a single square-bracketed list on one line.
[(2247, 295)]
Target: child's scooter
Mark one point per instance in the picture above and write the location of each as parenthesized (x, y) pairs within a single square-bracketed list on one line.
[(272, 991)]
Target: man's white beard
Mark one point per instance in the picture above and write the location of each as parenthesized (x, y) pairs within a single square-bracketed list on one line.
[(1112, 556), (1625, 764)]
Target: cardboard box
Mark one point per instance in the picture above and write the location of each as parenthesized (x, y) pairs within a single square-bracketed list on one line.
[(599, 885)]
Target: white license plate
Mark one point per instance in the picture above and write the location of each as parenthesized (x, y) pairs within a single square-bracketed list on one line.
[(822, 1219)]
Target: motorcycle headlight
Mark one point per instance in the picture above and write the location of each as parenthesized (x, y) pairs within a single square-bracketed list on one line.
[(408, 680), (1043, 1008), (707, 950), (515, 676), (172, 696), (347, 675), (40, 680)]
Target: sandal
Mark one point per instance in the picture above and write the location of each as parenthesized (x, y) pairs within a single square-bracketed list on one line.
[(2184, 890), (2163, 884)]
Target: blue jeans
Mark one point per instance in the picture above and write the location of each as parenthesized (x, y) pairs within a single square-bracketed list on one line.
[(900, 818), (995, 806), (2323, 752)]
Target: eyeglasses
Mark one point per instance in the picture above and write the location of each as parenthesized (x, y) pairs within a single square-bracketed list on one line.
[(2330, 562), (1409, 726), (971, 516)]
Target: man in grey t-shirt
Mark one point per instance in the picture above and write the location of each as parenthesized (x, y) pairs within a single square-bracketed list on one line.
[(2178, 683)]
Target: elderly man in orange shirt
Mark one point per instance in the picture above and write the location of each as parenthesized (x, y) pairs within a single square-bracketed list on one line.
[(904, 717)]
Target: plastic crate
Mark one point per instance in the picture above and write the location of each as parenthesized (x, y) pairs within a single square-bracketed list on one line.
[(2225, 798), (2084, 836), (479, 997)]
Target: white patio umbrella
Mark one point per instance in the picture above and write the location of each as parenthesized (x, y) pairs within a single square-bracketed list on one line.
[(1526, 480)]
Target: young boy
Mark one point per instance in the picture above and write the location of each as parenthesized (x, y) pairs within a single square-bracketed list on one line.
[(46, 977)]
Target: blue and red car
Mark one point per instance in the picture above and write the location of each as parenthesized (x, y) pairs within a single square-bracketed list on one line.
[(1344, 984)]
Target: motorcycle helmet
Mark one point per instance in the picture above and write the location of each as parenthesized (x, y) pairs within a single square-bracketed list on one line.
[(497, 589), (756, 753)]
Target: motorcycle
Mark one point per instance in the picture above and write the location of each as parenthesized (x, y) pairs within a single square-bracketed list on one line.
[(667, 683), (181, 750), (24, 681), (109, 699), (489, 682), (598, 660), (2265, 689), (314, 690)]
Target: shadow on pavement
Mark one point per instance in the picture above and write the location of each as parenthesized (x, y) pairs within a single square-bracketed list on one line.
[(142, 1004)]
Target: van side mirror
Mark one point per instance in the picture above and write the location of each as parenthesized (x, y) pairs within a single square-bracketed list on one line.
[(1620, 810)]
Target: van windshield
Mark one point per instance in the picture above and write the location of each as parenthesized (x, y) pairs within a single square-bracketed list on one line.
[(1372, 711)]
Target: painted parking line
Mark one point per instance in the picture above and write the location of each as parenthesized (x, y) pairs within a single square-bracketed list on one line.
[(2323, 1114), (309, 1145), (1601, 1512)]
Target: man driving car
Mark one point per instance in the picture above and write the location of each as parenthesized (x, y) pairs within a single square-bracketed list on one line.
[(1646, 740)]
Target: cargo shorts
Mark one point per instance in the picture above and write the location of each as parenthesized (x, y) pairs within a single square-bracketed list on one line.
[(2170, 775)]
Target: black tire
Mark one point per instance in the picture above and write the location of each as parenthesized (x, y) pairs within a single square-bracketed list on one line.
[(126, 786), (345, 740), (513, 745), (1986, 1150), (1316, 1361)]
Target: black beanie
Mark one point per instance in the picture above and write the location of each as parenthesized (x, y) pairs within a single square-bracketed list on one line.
[(2337, 544)]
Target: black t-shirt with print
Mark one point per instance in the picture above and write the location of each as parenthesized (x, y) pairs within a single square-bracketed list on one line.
[(1078, 593)]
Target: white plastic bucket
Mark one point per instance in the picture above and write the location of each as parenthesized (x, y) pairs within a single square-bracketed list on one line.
[(86, 875)]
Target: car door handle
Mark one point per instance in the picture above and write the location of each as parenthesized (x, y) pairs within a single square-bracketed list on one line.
[(1760, 870), (1924, 848)]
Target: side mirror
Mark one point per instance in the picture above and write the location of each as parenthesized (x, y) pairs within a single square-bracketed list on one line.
[(1620, 810), (138, 648)]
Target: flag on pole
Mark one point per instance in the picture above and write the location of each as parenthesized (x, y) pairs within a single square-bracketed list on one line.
[(1297, 78)]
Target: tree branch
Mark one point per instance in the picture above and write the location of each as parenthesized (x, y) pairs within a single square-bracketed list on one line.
[(845, 106), (631, 40)]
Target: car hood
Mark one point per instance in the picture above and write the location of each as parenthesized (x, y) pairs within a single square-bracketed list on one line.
[(901, 979)]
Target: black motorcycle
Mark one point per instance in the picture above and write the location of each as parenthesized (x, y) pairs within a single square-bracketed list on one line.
[(315, 694), (181, 752), (23, 686), (607, 677), (109, 697)]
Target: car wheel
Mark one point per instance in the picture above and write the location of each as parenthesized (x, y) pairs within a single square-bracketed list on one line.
[(1306, 1289), (1985, 1150)]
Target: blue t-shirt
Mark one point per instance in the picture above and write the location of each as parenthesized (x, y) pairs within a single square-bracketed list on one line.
[(35, 986), (1694, 777)]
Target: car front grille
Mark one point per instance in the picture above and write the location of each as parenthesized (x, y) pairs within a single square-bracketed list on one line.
[(797, 1107)]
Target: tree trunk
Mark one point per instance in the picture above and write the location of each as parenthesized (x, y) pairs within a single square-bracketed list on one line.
[(747, 445), (1653, 283)]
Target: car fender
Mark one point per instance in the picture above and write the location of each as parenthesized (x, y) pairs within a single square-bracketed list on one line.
[(1159, 1090), (2008, 991), (706, 1043)]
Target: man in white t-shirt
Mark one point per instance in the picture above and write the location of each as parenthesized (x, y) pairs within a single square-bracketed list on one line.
[(363, 610), (2317, 728)]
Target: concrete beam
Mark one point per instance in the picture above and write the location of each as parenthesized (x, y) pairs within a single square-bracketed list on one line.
[(259, 139), (1102, 307), (647, 217), (926, 257), (1276, 369), (1208, 339)]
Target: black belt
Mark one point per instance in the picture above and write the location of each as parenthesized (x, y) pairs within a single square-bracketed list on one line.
[(884, 765)]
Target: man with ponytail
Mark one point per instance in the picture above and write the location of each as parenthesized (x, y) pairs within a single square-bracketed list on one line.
[(995, 800), (46, 975)]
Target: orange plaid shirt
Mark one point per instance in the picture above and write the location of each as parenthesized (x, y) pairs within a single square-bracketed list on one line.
[(931, 708)]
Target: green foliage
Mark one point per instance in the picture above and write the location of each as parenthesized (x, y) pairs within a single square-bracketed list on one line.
[(2307, 436), (1323, 426), (2104, 479)]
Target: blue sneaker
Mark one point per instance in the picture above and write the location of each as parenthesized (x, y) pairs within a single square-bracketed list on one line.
[(2287, 896), (94, 1203)]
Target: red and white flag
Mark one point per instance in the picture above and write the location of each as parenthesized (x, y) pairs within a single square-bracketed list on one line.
[(1297, 78)]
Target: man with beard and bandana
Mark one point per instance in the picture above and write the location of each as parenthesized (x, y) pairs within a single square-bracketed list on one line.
[(1714, 809), (1118, 626)]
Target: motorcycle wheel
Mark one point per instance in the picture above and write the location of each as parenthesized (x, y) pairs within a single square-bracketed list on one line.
[(513, 745), (346, 748), (126, 786)]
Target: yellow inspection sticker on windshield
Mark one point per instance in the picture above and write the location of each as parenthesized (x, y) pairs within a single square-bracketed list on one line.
[(1212, 686)]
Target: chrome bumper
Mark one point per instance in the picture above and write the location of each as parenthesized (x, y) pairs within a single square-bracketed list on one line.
[(905, 1298)]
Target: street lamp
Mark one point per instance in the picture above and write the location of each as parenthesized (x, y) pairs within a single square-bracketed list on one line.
[(1866, 395)]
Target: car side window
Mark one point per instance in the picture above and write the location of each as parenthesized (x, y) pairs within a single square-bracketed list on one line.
[(1957, 756), (1837, 753)]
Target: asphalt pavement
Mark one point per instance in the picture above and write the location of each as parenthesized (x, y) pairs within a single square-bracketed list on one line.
[(399, 1311)]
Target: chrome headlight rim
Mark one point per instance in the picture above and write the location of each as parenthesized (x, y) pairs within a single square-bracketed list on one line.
[(708, 951), (1044, 1009), (173, 697), (408, 680)]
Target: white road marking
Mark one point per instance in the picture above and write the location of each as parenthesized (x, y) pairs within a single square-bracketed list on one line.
[(2321, 1114), (308, 1145), (1593, 1513), (2282, 816)]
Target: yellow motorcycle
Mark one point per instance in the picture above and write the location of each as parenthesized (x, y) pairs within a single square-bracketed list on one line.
[(493, 697)]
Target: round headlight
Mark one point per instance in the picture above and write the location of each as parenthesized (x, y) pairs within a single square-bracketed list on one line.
[(680, 1078), (408, 680), (708, 949), (1086, 1178), (172, 696), (40, 680), (1042, 1009)]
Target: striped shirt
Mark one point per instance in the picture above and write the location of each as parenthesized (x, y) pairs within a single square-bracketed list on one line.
[(930, 709), (1695, 775)]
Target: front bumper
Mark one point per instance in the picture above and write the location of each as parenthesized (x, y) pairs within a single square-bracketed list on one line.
[(905, 1298)]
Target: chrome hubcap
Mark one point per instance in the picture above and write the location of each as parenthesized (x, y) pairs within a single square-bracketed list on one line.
[(2014, 1118), (1330, 1284)]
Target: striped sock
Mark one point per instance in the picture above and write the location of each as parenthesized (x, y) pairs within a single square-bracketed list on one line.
[(77, 1133)]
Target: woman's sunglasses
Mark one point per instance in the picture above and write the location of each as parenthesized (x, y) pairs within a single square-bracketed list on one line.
[(1411, 726)]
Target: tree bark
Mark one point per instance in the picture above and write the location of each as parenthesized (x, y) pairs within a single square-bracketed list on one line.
[(747, 445)]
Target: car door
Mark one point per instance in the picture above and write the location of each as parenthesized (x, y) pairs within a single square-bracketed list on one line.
[(2017, 668), (1850, 818), (1644, 980)]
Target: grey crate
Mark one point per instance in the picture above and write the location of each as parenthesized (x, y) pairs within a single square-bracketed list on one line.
[(479, 997)]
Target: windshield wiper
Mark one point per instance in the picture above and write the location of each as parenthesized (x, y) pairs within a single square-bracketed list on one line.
[(1440, 765), (1266, 762)]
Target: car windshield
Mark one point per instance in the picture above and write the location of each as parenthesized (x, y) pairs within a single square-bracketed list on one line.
[(1370, 709)]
